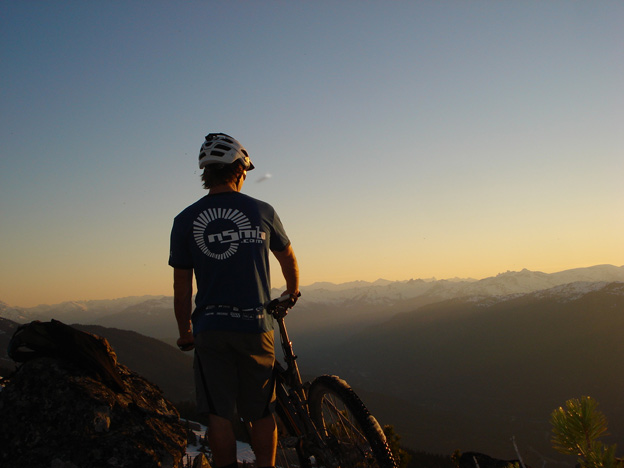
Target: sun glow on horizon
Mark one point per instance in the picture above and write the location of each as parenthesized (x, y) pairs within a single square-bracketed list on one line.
[(452, 144)]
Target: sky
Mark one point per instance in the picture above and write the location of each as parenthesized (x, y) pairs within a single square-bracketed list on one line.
[(404, 139)]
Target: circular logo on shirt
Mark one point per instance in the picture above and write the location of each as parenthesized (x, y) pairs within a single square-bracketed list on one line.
[(219, 232)]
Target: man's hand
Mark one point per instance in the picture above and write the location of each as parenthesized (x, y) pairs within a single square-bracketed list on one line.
[(186, 342), (182, 294), (292, 298), (279, 308)]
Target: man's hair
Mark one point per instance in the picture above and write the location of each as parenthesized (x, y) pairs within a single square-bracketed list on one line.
[(220, 174)]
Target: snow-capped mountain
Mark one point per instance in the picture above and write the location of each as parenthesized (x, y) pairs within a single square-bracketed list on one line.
[(16, 314), (73, 311), (510, 282), (358, 303)]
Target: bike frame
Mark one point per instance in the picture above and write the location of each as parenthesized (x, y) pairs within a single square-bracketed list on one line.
[(292, 397)]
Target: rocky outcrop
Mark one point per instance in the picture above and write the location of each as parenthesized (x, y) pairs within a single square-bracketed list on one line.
[(53, 413)]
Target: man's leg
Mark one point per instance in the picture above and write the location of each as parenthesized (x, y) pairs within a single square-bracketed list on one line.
[(264, 441), (222, 441)]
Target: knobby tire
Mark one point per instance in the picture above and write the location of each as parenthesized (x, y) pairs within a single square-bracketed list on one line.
[(352, 433)]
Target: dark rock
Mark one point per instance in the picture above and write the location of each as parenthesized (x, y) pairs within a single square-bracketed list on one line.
[(55, 414)]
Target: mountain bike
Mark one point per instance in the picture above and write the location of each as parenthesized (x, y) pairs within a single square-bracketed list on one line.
[(322, 423)]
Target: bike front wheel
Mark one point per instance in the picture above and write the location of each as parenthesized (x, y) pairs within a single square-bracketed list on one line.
[(351, 432)]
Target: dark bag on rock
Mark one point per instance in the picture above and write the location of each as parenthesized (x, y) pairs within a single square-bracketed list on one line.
[(55, 339)]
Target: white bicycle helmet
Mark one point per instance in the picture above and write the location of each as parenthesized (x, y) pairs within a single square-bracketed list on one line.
[(220, 148)]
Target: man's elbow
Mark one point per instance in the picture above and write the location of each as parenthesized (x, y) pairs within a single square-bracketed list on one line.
[(288, 254)]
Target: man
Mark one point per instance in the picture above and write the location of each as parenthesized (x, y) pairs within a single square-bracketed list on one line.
[(225, 239)]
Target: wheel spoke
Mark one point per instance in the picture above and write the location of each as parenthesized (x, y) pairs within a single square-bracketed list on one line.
[(341, 419), (350, 443), (350, 431)]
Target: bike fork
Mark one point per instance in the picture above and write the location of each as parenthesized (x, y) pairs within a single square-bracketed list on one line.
[(304, 429)]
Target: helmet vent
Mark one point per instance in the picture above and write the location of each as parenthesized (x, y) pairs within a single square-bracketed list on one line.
[(220, 148)]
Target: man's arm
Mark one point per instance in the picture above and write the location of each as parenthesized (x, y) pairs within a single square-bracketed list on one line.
[(290, 269), (182, 304)]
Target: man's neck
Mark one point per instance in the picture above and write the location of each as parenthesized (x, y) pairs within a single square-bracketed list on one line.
[(223, 188)]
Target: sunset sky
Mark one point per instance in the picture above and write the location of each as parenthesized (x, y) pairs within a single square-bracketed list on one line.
[(405, 139)]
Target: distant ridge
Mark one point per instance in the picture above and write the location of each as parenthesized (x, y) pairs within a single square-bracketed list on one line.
[(473, 372), (509, 282), (604, 272), (72, 311), (325, 309), (359, 284)]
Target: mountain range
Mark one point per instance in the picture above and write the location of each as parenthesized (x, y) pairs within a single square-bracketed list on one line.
[(359, 303), (452, 364), (475, 373)]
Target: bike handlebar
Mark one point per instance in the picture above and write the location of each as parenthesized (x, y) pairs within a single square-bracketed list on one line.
[(278, 308)]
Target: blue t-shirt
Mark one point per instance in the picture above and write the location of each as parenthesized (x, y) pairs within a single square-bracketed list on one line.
[(226, 239)]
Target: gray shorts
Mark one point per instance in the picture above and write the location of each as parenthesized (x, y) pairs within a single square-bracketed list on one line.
[(234, 374)]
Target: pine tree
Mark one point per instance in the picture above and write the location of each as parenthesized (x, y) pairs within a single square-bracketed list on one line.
[(577, 429), (401, 456)]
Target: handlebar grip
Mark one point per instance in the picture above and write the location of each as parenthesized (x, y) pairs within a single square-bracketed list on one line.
[(279, 307)]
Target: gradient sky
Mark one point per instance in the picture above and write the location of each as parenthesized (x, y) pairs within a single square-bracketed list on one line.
[(405, 139)]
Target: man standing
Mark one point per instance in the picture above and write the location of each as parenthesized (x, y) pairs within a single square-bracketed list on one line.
[(225, 239)]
